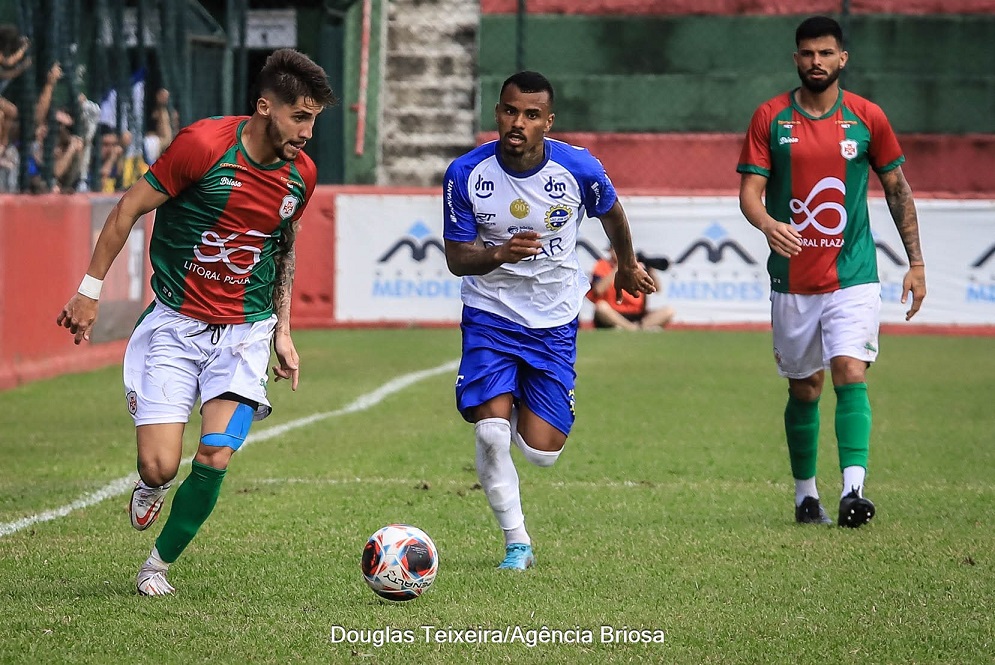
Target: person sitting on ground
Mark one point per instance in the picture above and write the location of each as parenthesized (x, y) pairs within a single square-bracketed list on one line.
[(630, 312)]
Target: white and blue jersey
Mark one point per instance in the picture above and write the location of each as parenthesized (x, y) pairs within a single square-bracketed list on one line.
[(483, 200)]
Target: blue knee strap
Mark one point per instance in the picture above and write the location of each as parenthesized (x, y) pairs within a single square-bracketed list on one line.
[(238, 428)]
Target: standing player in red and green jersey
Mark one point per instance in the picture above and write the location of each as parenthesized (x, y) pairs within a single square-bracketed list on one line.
[(228, 194), (804, 171)]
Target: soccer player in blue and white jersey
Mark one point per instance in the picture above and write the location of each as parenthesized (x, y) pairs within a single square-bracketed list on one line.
[(512, 208)]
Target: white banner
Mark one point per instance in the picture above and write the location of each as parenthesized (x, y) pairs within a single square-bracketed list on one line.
[(391, 267)]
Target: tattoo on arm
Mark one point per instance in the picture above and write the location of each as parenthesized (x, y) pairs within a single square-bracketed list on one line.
[(898, 194), (286, 266)]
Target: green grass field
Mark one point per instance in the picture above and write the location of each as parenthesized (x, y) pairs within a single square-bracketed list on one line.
[(671, 509)]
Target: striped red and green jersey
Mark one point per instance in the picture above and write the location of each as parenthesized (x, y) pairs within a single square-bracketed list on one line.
[(215, 241), (817, 171)]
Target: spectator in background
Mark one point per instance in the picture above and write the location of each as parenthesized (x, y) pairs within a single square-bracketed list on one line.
[(133, 166), (10, 159), (626, 311), (67, 157), (163, 125), (13, 63), (89, 115), (111, 154)]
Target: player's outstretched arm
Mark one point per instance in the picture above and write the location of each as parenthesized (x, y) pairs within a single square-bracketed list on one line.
[(80, 313), (783, 239), (902, 206), (286, 268), (630, 274), (471, 258)]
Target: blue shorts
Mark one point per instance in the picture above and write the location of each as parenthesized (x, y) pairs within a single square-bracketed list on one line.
[(535, 365)]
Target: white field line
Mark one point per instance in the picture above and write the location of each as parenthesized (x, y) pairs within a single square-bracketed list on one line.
[(123, 485)]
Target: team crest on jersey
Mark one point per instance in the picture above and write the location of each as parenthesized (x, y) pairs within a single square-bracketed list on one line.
[(288, 206), (557, 216), (132, 397), (519, 209), (848, 148)]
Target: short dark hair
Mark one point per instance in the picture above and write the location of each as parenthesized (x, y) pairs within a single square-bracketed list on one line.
[(290, 75), (819, 26), (529, 81)]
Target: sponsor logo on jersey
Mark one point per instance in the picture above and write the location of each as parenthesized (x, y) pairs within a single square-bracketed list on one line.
[(519, 209), (291, 183), (846, 124), (210, 239), (229, 165), (557, 216), (848, 148), (596, 188), (484, 217), (836, 221), (230, 182), (787, 124), (288, 206), (512, 230), (483, 189), (787, 139), (556, 190)]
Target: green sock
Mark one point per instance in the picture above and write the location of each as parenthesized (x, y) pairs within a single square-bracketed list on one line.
[(853, 424), (191, 507), (801, 427)]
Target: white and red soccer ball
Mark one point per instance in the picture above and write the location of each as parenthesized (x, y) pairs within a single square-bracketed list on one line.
[(400, 562)]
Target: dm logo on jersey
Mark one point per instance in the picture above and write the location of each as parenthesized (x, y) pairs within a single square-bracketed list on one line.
[(288, 206), (519, 209), (715, 243), (848, 148), (483, 189), (556, 190), (557, 216), (418, 240), (811, 215)]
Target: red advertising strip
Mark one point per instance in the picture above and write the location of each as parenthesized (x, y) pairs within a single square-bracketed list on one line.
[(736, 7), (941, 166)]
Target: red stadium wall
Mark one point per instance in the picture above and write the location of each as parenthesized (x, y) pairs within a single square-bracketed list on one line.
[(736, 7), (940, 166), (44, 252)]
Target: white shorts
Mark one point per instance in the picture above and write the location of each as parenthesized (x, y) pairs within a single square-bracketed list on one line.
[(172, 360), (810, 330)]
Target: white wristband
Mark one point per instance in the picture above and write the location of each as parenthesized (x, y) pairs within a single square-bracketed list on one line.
[(90, 287)]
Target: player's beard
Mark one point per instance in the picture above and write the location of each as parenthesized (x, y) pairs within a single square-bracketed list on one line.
[(821, 85), (276, 140)]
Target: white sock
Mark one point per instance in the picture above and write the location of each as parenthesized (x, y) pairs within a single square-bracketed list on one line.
[(853, 479), (519, 535), (497, 474), (156, 561), (804, 488)]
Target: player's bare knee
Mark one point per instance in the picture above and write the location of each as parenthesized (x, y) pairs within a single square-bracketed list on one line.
[(156, 472)]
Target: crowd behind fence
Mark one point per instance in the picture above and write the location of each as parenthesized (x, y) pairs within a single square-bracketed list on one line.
[(92, 91)]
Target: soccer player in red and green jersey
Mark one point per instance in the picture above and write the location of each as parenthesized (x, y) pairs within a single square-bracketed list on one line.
[(804, 166), (228, 194)]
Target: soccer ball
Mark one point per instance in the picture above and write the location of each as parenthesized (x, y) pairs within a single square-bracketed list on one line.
[(400, 562)]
